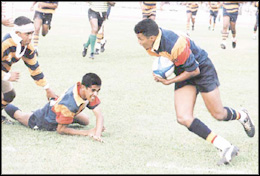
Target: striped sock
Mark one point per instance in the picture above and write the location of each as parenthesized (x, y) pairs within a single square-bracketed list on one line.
[(218, 141), (36, 41), (92, 42), (231, 114), (203, 131)]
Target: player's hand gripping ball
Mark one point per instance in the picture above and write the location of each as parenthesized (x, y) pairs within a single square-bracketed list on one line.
[(163, 67)]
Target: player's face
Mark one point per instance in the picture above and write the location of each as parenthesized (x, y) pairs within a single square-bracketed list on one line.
[(90, 93), (146, 42), (26, 37)]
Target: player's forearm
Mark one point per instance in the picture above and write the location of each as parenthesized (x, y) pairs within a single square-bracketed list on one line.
[(62, 129), (99, 125), (184, 76)]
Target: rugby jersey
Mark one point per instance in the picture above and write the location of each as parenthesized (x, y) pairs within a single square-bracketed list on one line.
[(10, 56), (47, 9), (69, 105), (149, 7), (99, 6), (179, 48), (192, 6), (214, 6), (231, 6)]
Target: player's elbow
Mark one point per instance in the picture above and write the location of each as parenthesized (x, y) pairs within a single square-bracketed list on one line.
[(60, 129)]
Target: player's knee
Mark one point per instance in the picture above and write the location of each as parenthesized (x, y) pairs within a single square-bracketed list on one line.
[(183, 119), (85, 123), (218, 115), (9, 96)]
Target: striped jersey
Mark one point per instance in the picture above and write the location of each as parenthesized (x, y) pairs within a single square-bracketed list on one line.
[(47, 9), (192, 6), (99, 6), (12, 53), (179, 48), (214, 6), (66, 107), (231, 6)]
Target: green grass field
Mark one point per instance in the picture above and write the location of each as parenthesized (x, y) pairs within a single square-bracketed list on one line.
[(142, 136)]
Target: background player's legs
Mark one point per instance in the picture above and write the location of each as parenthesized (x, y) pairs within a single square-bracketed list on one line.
[(226, 22), (45, 29), (37, 26), (92, 37), (188, 23), (233, 31)]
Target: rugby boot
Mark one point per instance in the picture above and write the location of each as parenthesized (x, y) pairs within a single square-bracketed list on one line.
[(248, 125), (228, 155), (223, 46), (84, 53), (103, 47), (91, 55), (97, 52), (234, 43)]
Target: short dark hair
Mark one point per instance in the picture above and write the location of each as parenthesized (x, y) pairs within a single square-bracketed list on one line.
[(147, 27), (90, 79), (22, 20)]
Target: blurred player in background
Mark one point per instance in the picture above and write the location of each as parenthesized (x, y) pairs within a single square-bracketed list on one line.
[(97, 14), (17, 45), (192, 9), (214, 6), (57, 114), (101, 40), (148, 9), (42, 19), (194, 73), (7, 14), (256, 3), (230, 13)]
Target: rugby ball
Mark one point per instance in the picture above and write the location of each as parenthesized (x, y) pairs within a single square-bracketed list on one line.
[(163, 67)]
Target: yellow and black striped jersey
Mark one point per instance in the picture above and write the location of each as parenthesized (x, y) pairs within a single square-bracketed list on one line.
[(214, 6), (99, 6), (148, 8), (47, 9), (192, 6), (9, 57), (149, 5), (231, 6)]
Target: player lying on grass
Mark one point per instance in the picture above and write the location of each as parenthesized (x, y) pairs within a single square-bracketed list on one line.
[(194, 73), (58, 114)]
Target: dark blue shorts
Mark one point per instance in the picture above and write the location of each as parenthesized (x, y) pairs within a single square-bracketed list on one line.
[(100, 17), (214, 14), (38, 120), (232, 16), (192, 13), (206, 81), (46, 17)]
